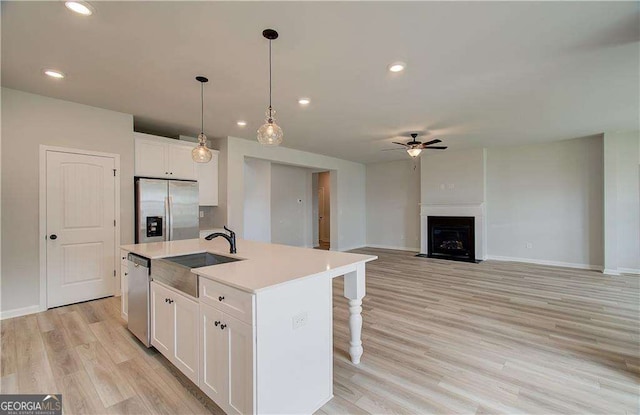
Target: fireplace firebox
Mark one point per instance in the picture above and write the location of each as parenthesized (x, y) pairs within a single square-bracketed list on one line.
[(451, 237)]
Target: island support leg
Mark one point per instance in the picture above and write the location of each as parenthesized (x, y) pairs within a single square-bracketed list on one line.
[(354, 291)]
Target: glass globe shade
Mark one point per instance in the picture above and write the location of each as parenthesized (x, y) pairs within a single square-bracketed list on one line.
[(201, 154), (414, 152), (270, 134)]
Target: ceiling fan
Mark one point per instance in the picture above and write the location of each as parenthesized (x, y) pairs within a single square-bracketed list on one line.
[(414, 147)]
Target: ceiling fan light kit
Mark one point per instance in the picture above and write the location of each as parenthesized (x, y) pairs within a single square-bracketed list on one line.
[(414, 148), (270, 133)]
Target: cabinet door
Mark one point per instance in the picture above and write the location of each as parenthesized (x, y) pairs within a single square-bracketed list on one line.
[(181, 165), (151, 158), (213, 355), (208, 181), (239, 337), (186, 353), (162, 320)]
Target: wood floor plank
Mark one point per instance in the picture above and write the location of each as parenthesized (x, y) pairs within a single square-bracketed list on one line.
[(8, 354), (111, 386), (77, 329)]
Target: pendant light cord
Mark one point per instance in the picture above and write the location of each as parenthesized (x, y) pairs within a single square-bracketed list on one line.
[(269, 78), (202, 107)]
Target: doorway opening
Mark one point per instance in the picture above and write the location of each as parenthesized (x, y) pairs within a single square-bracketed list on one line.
[(322, 210)]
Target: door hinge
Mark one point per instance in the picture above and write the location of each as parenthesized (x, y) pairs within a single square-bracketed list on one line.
[(114, 222), (114, 272), (114, 172)]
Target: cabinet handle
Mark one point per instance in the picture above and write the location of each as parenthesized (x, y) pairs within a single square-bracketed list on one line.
[(166, 300), (166, 172), (221, 298), (126, 274), (217, 323), (222, 326), (171, 173), (170, 301)]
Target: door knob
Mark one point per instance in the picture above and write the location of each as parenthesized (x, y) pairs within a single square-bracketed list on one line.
[(222, 326), (221, 298), (54, 236), (216, 323)]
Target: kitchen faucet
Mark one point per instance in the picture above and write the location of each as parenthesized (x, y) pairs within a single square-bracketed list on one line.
[(231, 238)]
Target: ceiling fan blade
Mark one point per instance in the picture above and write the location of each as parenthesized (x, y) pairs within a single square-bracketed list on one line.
[(392, 149), (435, 148), (428, 143), (402, 144)]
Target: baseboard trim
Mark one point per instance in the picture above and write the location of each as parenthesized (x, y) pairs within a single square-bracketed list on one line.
[(396, 248), (19, 312), (545, 262), (629, 271)]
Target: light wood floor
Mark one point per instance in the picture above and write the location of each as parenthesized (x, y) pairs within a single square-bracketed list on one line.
[(439, 337)]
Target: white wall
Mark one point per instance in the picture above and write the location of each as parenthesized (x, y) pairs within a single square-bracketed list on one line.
[(348, 227), (622, 202), (28, 121), (257, 197), (453, 177), (549, 196), (393, 205), (291, 210)]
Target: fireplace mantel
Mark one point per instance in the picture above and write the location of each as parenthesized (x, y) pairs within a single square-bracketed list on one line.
[(475, 210)]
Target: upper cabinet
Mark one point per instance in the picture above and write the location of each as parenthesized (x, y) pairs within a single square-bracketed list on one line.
[(171, 159), (160, 157)]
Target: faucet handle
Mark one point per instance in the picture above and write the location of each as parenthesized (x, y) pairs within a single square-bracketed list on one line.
[(232, 233)]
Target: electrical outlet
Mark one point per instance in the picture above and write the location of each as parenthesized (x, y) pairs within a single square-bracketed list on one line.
[(202, 213), (300, 320)]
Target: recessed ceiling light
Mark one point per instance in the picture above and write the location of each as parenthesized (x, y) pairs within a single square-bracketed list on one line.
[(53, 73), (80, 7), (397, 67), (304, 101), (241, 123)]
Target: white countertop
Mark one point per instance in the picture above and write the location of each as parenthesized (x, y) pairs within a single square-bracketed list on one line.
[(264, 265)]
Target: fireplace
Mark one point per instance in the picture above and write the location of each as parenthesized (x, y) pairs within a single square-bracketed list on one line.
[(451, 237)]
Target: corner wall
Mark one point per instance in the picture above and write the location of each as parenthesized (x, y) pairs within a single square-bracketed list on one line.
[(545, 202), (622, 202), (29, 120), (393, 205), (348, 219)]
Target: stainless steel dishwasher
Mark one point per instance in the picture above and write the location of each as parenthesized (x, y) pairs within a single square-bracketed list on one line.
[(139, 286)]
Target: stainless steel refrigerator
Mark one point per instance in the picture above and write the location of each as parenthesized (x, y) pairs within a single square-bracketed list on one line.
[(166, 210)]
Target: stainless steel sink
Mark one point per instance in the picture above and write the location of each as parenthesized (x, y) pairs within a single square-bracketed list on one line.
[(203, 259), (176, 271)]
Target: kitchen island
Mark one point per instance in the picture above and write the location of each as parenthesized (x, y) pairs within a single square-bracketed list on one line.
[(257, 338)]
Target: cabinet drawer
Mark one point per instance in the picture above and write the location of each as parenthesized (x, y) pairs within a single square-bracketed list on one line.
[(236, 303)]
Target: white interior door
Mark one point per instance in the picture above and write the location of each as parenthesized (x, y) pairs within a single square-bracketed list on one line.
[(80, 227)]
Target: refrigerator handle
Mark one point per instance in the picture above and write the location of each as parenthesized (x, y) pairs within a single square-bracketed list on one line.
[(170, 199), (167, 215)]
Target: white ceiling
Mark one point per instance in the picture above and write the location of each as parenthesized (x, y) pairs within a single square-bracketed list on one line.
[(478, 73)]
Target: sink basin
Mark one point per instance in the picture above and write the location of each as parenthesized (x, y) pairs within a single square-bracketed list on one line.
[(176, 271), (203, 259)]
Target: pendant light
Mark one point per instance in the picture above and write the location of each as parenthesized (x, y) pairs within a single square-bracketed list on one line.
[(270, 134), (201, 154)]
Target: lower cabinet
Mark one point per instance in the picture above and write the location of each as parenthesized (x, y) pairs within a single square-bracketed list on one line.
[(227, 360), (174, 329)]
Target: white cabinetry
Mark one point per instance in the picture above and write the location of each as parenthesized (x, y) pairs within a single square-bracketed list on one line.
[(208, 180), (164, 158), (124, 284), (174, 329), (228, 346)]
